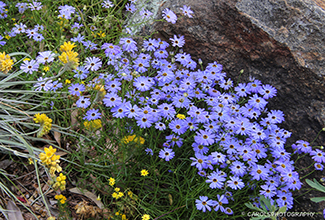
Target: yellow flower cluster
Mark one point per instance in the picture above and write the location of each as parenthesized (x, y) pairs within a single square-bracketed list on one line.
[(61, 198), (60, 182), (117, 194), (132, 196), (111, 181), (67, 46), (46, 124), (93, 125), (123, 216), (5, 63), (51, 161), (69, 56), (133, 138), (101, 89)]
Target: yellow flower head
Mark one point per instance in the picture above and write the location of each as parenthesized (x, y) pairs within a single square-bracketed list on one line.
[(114, 195), (55, 168), (145, 217), (50, 160), (93, 125), (101, 34), (30, 161), (46, 68), (144, 172), (67, 81), (61, 198), (60, 182), (45, 122), (130, 193), (67, 46), (120, 194), (70, 58), (111, 181), (5, 62), (139, 140), (130, 138), (61, 178), (101, 89), (180, 116)]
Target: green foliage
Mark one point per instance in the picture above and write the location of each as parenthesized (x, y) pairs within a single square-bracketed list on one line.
[(316, 185), (267, 209)]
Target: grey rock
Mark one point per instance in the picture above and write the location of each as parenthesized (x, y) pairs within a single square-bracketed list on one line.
[(300, 25)]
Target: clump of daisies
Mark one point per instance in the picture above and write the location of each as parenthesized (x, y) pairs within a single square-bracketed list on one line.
[(238, 148), (237, 144), (232, 140)]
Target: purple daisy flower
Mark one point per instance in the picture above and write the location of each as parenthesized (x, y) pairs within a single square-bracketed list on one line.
[(76, 89), (204, 137), (186, 10), (215, 180), (259, 172), (199, 161), (92, 114), (38, 37), (130, 7), (160, 126), (145, 13), (83, 102), (107, 4), (235, 183), (149, 151), (128, 44), (150, 44), (112, 100), (142, 83), (21, 7), (46, 56), (169, 15), (29, 66), (267, 91), (318, 156), (268, 191), (166, 154), (56, 85), (221, 200), (93, 63), (204, 203), (177, 41), (43, 84)]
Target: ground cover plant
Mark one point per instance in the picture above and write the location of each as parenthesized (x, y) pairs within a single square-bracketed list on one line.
[(139, 127)]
